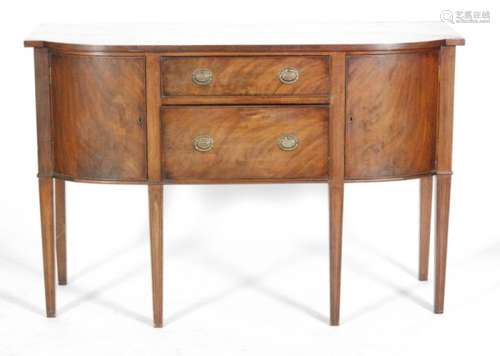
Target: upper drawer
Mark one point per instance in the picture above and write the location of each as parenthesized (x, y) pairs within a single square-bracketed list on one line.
[(238, 76)]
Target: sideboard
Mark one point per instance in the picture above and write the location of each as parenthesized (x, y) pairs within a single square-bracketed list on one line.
[(159, 104)]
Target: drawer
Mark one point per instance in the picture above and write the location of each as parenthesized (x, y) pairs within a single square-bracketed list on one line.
[(239, 76), (236, 142)]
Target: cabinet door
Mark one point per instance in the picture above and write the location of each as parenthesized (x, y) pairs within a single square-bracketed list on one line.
[(391, 115), (98, 114)]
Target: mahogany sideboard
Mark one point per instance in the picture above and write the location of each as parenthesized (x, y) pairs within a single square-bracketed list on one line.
[(160, 104)]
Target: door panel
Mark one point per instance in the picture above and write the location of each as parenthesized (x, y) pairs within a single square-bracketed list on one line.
[(98, 105), (391, 115)]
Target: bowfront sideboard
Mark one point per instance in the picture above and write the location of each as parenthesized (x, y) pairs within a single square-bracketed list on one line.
[(159, 105)]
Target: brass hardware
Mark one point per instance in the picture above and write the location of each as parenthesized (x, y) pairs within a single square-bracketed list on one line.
[(140, 121), (202, 76), (203, 143), (289, 75), (288, 142)]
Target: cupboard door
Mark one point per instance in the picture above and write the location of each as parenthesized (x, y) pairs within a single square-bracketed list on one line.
[(391, 115), (99, 117)]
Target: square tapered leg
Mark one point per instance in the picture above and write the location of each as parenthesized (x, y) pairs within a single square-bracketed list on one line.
[(425, 226), (60, 208), (156, 236), (336, 207), (46, 191), (442, 215)]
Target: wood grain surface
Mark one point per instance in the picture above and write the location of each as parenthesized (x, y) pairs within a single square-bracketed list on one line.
[(425, 226), (46, 193), (446, 101), (43, 113), (391, 114), (245, 142), (444, 170), (60, 230), (99, 103), (248, 75), (336, 179), (155, 197)]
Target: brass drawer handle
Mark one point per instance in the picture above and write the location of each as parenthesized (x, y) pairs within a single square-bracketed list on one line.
[(289, 75), (288, 142), (202, 76), (203, 143)]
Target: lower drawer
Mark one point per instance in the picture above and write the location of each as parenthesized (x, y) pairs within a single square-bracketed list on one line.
[(288, 142)]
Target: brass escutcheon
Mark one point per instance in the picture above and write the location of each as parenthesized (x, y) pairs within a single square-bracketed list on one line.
[(288, 142), (202, 76), (289, 75), (203, 143)]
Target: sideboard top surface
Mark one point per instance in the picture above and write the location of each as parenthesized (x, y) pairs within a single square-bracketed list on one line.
[(319, 36)]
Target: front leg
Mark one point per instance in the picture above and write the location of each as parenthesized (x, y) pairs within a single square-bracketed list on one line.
[(156, 235), (60, 191), (336, 193), (425, 226), (442, 217), (46, 191)]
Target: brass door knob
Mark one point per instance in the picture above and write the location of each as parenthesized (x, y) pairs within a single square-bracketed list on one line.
[(288, 142), (203, 143), (289, 75), (202, 76)]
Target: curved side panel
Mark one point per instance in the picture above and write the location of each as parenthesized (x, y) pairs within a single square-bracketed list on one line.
[(98, 115), (391, 115)]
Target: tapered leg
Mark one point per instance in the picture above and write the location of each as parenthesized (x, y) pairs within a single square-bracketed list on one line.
[(46, 192), (156, 234), (425, 226), (61, 231), (442, 215), (336, 193)]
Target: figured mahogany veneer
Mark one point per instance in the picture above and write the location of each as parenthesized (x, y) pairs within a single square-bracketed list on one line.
[(391, 108), (245, 75), (99, 114), (245, 142), (321, 111)]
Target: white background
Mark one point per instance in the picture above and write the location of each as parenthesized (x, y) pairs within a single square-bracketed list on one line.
[(246, 267)]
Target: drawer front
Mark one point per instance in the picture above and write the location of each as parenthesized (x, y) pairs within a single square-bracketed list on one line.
[(245, 142), (236, 76)]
